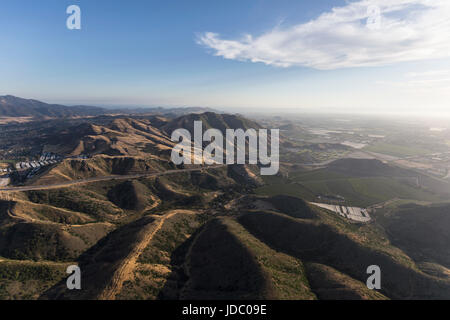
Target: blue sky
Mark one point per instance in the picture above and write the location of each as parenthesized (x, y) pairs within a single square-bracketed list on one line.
[(236, 55)]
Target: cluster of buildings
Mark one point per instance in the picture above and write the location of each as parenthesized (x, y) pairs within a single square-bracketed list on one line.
[(46, 159), (31, 168), (48, 156)]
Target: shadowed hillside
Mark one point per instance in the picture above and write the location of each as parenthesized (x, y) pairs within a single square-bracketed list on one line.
[(210, 120), (330, 284), (223, 268), (320, 243), (423, 232)]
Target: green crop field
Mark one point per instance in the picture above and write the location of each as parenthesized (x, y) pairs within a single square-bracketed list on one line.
[(397, 150), (357, 191), (289, 189), (316, 175)]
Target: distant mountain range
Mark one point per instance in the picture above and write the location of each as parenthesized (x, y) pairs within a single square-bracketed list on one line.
[(11, 106)]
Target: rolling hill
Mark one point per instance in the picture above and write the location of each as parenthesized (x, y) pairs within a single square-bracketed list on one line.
[(121, 137), (197, 235), (11, 106), (207, 234), (422, 232), (210, 120), (123, 145)]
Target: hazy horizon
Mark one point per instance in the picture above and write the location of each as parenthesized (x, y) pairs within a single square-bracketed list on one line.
[(275, 111)]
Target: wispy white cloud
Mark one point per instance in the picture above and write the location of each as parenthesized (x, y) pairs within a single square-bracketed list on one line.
[(431, 73), (424, 80), (409, 30)]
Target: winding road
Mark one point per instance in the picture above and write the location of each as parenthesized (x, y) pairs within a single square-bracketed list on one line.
[(104, 178)]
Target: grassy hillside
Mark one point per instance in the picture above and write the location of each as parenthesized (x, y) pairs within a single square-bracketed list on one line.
[(131, 195), (26, 279), (292, 206), (39, 241), (325, 244), (221, 267), (330, 284), (285, 273), (422, 232)]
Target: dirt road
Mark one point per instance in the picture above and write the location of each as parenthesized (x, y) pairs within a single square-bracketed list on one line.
[(125, 270), (105, 178)]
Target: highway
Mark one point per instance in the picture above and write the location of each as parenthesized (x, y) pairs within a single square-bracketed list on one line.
[(104, 178)]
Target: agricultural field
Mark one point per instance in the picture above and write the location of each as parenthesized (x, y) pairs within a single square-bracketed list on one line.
[(398, 150), (355, 189)]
